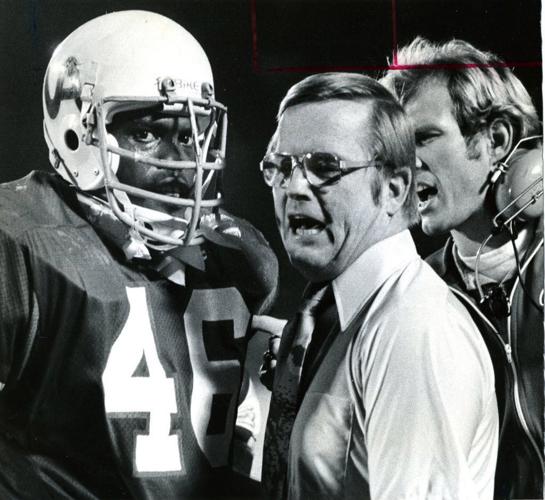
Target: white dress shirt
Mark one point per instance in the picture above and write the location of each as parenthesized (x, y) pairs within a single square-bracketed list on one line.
[(403, 404)]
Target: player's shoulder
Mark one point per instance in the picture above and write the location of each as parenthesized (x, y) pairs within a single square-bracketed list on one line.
[(36, 200), (41, 216), (35, 183)]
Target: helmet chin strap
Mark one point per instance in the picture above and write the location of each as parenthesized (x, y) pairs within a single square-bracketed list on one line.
[(159, 222)]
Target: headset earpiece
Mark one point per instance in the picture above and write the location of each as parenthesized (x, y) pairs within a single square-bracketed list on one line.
[(518, 184)]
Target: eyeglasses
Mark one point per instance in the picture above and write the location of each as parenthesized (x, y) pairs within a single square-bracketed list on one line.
[(319, 169)]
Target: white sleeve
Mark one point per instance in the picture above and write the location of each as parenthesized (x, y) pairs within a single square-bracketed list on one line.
[(249, 411), (247, 427)]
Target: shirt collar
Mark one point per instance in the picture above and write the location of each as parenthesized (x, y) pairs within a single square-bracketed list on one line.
[(369, 271)]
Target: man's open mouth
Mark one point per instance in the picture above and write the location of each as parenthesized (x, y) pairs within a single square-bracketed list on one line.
[(303, 225), (425, 193)]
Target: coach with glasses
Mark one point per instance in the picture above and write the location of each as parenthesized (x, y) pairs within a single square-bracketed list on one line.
[(383, 386)]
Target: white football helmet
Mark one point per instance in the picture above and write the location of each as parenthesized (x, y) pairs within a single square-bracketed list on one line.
[(125, 61)]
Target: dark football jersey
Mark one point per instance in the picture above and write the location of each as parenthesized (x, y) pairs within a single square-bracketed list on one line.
[(115, 382)]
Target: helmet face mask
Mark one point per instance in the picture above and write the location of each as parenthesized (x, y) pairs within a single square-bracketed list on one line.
[(206, 142), (142, 62)]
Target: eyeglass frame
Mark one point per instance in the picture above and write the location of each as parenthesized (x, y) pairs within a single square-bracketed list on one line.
[(345, 167)]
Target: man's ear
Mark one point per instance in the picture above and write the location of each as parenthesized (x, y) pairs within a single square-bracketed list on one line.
[(397, 190), (501, 139)]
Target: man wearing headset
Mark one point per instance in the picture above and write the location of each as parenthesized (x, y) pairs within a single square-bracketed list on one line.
[(126, 294), (468, 123)]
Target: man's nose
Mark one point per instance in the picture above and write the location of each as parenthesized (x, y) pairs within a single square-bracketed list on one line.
[(421, 164), (174, 149), (297, 185)]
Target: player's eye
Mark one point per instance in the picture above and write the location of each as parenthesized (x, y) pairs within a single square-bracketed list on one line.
[(186, 138), (144, 136)]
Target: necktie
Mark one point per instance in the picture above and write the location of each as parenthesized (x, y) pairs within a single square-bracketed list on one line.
[(286, 391), (322, 337)]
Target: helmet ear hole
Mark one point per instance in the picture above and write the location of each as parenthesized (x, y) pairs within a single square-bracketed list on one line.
[(71, 140)]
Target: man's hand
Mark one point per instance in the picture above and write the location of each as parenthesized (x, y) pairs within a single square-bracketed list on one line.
[(273, 327)]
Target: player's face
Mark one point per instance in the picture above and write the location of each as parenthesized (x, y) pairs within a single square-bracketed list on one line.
[(159, 137), (451, 184), (325, 229)]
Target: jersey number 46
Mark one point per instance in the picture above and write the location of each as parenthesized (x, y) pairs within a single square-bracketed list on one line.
[(128, 396)]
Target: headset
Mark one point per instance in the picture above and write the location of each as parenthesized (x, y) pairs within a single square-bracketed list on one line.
[(517, 184)]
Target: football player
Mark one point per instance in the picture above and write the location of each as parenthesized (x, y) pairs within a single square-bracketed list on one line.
[(127, 294)]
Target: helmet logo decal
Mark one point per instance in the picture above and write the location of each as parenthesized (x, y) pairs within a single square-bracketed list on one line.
[(171, 85), (67, 85)]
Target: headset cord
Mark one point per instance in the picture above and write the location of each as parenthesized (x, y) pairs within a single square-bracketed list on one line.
[(519, 271)]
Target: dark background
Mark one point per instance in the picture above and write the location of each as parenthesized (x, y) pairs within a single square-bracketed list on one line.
[(258, 49)]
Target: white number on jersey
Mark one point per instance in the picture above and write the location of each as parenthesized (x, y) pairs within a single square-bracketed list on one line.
[(128, 395), (214, 319)]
